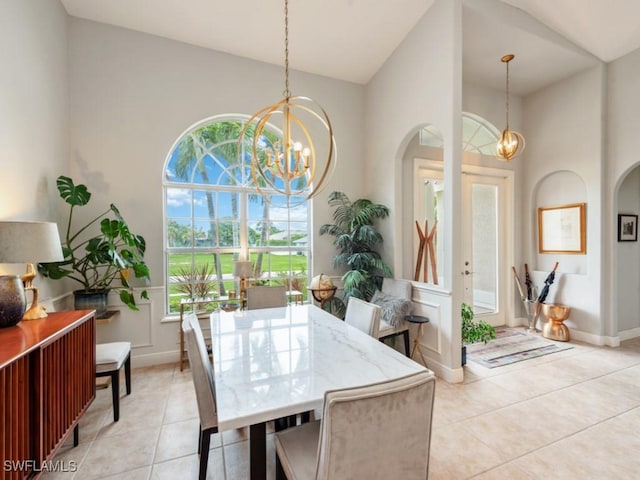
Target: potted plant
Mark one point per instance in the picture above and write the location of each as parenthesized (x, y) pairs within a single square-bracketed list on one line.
[(99, 261), (356, 238), (473, 332)]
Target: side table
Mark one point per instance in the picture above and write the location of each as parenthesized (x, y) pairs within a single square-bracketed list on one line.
[(420, 321)]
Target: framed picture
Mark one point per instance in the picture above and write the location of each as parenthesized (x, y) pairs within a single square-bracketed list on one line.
[(562, 229), (627, 228)]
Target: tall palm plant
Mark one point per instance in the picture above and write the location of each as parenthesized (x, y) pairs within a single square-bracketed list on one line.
[(357, 238)]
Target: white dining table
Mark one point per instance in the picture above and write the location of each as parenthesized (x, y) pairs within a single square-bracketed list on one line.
[(277, 362)]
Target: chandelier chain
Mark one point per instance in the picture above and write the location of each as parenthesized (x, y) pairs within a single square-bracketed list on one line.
[(287, 92)]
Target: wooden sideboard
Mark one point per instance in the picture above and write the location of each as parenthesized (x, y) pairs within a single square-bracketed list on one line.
[(47, 380)]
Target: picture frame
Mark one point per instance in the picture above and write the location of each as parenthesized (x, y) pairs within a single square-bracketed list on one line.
[(627, 227), (562, 229)]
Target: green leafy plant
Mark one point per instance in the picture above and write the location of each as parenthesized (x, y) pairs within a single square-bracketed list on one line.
[(356, 239), (473, 332), (103, 260)]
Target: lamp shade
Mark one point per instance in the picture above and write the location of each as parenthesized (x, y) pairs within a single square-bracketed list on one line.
[(26, 242), (242, 269)]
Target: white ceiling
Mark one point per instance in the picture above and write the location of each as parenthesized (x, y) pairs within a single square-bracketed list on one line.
[(351, 39)]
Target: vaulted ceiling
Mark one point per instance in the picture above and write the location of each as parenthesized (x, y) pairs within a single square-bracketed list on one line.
[(351, 39)]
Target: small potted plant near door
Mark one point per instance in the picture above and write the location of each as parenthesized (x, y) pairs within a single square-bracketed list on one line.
[(473, 332), (100, 261)]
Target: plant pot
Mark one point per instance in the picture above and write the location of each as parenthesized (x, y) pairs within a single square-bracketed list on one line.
[(91, 300), (464, 355)]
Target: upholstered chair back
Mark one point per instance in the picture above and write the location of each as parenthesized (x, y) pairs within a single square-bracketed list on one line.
[(378, 431), (364, 316), (266, 297), (202, 371)]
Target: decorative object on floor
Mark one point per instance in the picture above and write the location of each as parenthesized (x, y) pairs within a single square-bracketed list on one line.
[(323, 291), (562, 229), (426, 250), (473, 332), (24, 242), (356, 238), (627, 228), (290, 166), (110, 358), (97, 260), (511, 346), (554, 328), (511, 143)]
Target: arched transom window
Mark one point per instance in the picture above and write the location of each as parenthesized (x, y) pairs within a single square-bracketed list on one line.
[(214, 216)]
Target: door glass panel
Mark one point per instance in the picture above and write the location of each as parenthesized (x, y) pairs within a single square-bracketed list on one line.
[(484, 206)]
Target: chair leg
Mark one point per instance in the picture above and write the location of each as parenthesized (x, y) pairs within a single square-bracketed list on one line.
[(205, 437), (127, 373), (279, 470), (115, 394), (407, 348), (76, 435)]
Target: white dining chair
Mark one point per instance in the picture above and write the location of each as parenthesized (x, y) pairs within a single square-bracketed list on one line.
[(266, 297), (381, 430), (390, 326), (364, 316), (203, 381)]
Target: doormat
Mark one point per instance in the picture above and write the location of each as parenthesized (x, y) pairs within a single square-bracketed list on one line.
[(511, 346)]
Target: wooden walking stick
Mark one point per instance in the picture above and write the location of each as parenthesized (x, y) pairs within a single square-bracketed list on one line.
[(422, 238)]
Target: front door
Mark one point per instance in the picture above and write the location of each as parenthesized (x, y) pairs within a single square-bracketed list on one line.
[(484, 201)]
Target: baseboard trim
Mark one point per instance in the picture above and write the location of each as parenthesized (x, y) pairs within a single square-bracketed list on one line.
[(629, 334), (152, 359)]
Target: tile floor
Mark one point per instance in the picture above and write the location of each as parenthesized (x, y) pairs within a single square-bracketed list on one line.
[(569, 415)]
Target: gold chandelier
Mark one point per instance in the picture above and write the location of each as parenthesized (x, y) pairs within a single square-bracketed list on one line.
[(511, 143), (289, 165)]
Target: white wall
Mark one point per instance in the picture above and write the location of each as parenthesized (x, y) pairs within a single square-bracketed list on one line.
[(132, 96), (565, 132), (421, 84), (623, 145), (628, 268), (34, 118)]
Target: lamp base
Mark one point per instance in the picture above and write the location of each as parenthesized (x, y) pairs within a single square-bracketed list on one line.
[(35, 312)]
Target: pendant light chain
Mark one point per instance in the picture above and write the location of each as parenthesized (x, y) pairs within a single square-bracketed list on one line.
[(287, 92), (507, 89)]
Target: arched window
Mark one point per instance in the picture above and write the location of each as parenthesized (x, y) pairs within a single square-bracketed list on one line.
[(214, 216), (478, 135)]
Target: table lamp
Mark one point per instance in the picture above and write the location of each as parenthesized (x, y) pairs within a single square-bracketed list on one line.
[(25, 242), (243, 269)]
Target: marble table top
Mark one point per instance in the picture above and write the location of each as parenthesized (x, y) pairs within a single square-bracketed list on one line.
[(271, 363)]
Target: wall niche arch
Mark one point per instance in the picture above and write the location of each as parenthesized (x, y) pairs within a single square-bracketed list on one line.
[(563, 187)]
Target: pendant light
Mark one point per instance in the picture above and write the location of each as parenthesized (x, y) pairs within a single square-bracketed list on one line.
[(290, 164), (511, 143)]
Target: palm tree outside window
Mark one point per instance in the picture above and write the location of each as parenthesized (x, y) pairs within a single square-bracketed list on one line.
[(214, 215)]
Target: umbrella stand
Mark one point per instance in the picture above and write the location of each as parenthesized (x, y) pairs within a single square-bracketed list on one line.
[(533, 312)]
